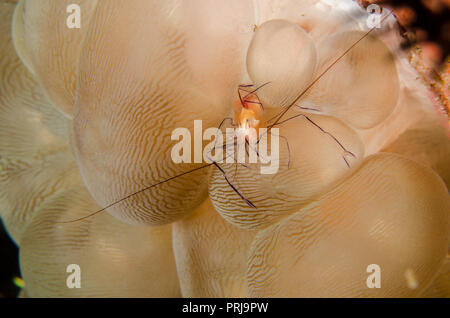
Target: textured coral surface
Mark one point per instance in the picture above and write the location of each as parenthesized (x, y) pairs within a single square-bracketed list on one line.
[(86, 118)]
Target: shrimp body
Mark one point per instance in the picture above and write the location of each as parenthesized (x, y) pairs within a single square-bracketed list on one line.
[(248, 113)]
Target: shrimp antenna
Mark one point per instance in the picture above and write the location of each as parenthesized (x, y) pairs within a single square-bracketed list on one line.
[(241, 87), (161, 182), (283, 112), (137, 192), (256, 89)]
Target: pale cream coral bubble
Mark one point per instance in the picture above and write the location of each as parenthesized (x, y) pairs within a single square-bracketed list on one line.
[(115, 259), (217, 35), (282, 54), (426, 141), (211, 254), (440, 287), (309, 14), (362, 88), (49, 48), (392, 212), (36, 160), (18, 36)]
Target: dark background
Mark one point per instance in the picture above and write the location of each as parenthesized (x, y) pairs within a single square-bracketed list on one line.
[(9, 267)]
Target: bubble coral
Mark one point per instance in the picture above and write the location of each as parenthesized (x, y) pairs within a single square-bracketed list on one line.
[(86, 119)]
